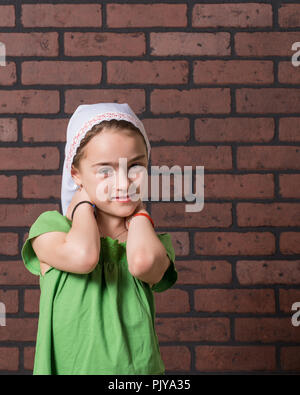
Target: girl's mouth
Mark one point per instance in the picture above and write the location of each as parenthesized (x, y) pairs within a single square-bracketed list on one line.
[(124, 199)]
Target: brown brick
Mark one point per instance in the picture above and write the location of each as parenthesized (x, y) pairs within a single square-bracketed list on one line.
[(232, 15), (211, 157), (268, 272), (268, 214), (287, 297), (233, 72), (42, 187), (190, 43), (267, 100), (161, 72), (19, 329), (203, 272), (104, 44), (265, 44), (176, 357), (192, 101), (268, 158), (60, 73), (30, 44), (23, 214), (41, 129), (61, 15), (212, 215), (172, 301), (290, 242), (8, 129), (10, 299), (28, 158), (146, 15), (167, 129), (134, 97), (29, 101), (234, 129), (9, 358), (238, 358), (289, 185), (31, 300), (235, 300), (180, 241), (29, 357), (9, 244), (192, 329), (8, 74), (239, 186), (8, 186), (234, 243), (266, 330), (287, 73), (289, 129), (15, 273), (289, 15), (290, 358), (7, 15)]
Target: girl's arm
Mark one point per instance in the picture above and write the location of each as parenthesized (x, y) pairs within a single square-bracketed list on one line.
[(146, 255)]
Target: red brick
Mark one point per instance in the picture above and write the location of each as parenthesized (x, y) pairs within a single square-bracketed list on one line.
[(7, 15), (180, 241), (234, 129), (267, 100), (28, 158), (268, 158), (61, 15), (289, 15), (8, 129), (42, 187), (104, 44), (268, 214), (10, 299), (9, 244), (235, 300), (176, 357), (29, 101), (265, 44), (289, 129), (233, 71), (15, 273), (268, 272), (41, 129), (289, 185), (29, 357), (30, 44), (237, 358), (239, 186), (192, 329), (234, 243), (266, 330), (290, 243), (212, 215), (31, 300), (8, 186), (203, 272), (8, 74), (161, 72), (287, 297), (192, 101), (287, 73), (60, 73), (134, 97), (23, 214), (232, 15), (172, 301), (167, 129), (19, 329), (146, 15), (9, 358), (190, 43), (290, 358)]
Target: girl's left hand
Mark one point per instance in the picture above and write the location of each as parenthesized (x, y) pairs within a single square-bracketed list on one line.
[(141, 208)]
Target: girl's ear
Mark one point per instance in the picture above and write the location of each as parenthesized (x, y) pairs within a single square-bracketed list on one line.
[(75, 175)]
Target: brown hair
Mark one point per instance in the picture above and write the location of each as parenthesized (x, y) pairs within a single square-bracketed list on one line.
[(113, 124)]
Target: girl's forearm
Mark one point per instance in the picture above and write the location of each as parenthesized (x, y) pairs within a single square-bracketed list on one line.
[(84, 233)]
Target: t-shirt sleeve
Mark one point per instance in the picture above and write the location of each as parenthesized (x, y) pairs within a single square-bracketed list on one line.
[(48, 221), (170, 276)]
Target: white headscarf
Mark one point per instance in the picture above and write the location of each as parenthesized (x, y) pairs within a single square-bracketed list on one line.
[(82, 120)]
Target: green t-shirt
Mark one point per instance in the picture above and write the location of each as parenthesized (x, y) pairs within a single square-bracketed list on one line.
[(96, 323)]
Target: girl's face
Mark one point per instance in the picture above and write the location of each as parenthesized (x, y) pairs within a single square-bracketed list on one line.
[(105, 178)]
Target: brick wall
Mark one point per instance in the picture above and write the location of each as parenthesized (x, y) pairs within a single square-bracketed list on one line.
[(215, 87)]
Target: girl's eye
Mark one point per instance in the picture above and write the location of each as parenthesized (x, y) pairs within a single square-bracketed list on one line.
[(105, 171)]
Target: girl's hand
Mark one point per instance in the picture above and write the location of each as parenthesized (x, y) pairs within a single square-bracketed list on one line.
[(141, 208), (80, 195)]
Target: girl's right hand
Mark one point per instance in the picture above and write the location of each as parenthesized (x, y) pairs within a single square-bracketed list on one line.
[(80, 195)]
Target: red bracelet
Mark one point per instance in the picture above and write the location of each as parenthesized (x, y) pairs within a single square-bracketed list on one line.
[(146, 215)]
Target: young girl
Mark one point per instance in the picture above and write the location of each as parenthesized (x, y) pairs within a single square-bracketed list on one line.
[(100, 261)]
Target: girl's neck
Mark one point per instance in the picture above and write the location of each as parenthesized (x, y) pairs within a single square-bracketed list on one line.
[(111, 226)]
